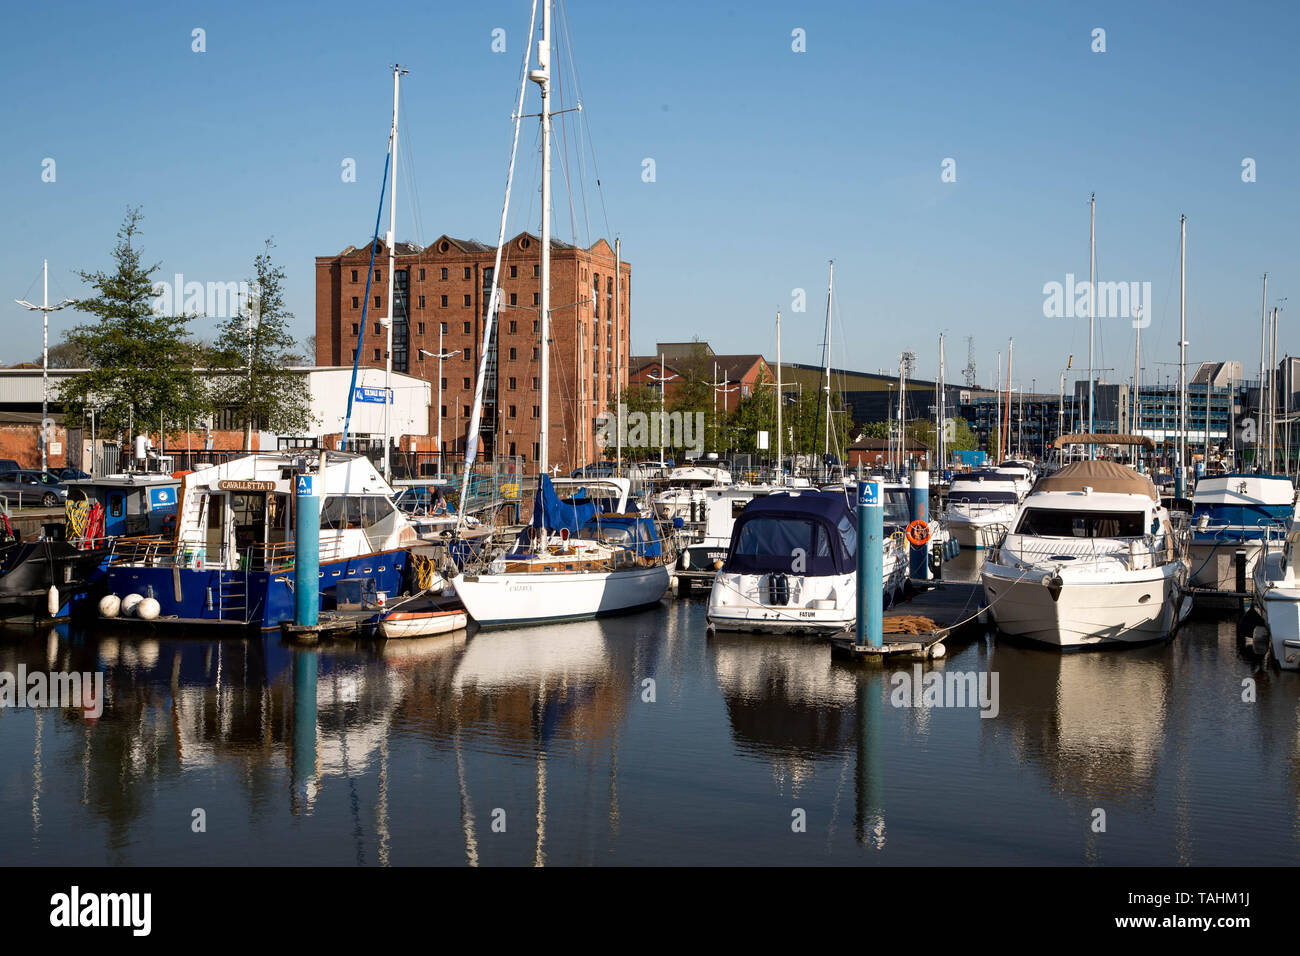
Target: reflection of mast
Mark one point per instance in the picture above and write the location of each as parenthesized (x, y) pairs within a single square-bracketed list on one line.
[(36, 781), (381, 805), (466, 808), (540, 857)]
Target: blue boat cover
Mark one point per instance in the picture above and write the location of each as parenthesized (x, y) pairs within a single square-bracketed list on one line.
[(811, 532), (642, 537), (554, 514)]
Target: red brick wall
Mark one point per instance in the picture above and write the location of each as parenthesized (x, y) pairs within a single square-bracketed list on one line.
[(22, 443), (574, 401)]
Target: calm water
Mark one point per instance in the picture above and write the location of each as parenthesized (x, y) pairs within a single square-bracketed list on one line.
[(419, 753)]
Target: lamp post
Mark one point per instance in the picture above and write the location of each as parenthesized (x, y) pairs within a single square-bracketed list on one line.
[(439, 356), (45, 309)]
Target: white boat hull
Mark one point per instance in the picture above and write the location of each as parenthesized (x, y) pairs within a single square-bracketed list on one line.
[(512, 599), (1280, 608), (1136, 608), (735, 602), (399, 626)]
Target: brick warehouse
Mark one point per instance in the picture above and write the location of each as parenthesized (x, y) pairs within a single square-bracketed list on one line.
[(445, 286)]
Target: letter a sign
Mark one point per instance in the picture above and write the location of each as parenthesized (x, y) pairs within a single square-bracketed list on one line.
[(303, 487), (869, 494)]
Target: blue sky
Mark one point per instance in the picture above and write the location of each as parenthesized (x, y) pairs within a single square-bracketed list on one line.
[(768, 162)]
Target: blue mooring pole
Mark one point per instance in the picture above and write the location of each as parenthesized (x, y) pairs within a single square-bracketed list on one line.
[(920, 508), (871, 557), (306, 551)]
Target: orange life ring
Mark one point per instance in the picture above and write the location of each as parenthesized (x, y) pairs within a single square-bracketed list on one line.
[(918, 533)]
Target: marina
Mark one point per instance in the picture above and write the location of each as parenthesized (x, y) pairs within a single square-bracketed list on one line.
[(581, 435)]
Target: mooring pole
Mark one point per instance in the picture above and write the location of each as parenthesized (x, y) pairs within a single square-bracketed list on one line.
[(306, 549), (871, 556), (920, 511)]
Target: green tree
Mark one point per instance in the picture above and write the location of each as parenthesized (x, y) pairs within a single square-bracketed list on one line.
[(255, 351), (141, 365)]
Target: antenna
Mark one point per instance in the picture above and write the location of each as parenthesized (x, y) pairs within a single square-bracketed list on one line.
[(969, 371)]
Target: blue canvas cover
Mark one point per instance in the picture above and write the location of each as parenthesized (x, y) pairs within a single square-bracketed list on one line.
[(554, 514), (819, 524), (635, 532)]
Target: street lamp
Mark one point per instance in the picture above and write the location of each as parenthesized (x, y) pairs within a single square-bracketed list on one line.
[(45, 309), (440, 355)]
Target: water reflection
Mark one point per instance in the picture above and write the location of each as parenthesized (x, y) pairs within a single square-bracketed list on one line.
[(643, 740)]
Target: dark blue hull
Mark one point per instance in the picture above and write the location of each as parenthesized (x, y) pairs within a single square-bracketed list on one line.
[(261, 599)]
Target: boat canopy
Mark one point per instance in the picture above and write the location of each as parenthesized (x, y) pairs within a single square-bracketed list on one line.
[(1102, 476), (1101, 438), (810, 532), (635, 532)]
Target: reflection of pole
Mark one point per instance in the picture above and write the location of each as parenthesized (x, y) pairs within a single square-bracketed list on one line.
[(466, 808), (304, 728), (869, 817)]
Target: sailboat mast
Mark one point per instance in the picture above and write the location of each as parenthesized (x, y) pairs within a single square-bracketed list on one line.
[(1136, 413), (1259, 429), (780, 400), (392, 268), (1006, 444), (942, 422), (826, 352), (542, 77), (1092, 299), (618, 362), (1182, 343)]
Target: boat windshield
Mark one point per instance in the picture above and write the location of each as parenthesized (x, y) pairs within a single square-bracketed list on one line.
[(766, 537), (898, 509), (618, 537), (1060, 523)]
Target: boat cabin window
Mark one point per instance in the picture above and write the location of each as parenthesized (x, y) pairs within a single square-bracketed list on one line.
[(1059, 523), (277, 518), (354, 512), (115, 502)]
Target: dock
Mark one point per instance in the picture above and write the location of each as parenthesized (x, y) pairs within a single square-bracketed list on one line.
[(918, 627), (330, 624)]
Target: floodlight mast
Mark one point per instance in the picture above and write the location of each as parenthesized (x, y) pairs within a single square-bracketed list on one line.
[(45, 309)]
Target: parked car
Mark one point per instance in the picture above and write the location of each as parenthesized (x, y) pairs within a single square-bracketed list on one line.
[(32, 488), (9, 464), (64, 474)]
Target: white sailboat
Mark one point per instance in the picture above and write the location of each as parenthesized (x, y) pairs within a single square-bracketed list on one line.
[(1277, 597), (575, 562)]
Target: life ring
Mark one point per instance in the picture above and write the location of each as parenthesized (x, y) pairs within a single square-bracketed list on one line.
[(918, 533)]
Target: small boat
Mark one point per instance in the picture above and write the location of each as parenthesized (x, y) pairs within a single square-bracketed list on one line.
[(1091, 560), (687, 484), (792, 567), (980, 507), (1232, 513), (421, 617), (1277, 596)]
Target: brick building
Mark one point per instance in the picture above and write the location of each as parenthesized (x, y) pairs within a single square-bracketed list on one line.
[(733, 377), (444, 287)]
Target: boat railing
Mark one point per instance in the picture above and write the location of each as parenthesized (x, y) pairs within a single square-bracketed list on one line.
[(1135, 553), (163, 551)]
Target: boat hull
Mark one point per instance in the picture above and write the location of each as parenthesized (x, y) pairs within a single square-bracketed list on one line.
[(422, 624), (1140, 608), (513, 599), (734, 607), (261, 599)]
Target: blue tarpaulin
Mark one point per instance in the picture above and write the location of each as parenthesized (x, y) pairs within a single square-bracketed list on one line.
[(553, 514)]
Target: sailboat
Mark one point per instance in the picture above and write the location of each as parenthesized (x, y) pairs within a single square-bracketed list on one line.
[(573, 561)]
